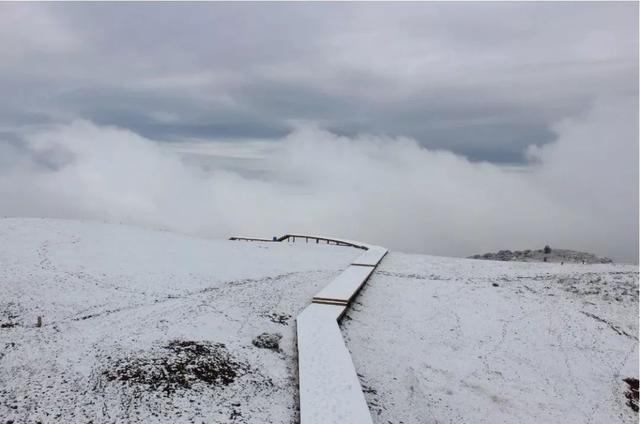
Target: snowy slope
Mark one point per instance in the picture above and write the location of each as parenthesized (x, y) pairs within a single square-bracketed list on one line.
[(114, 297), (456, 340), (149, 326)]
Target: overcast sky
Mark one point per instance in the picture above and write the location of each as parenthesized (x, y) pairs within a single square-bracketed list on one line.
[(481, 79), (492, 83)]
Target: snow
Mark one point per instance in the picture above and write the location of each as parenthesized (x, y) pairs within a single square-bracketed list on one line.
[(455, 340), (371, 257), (329, 388), (112, 292), (432, 339)]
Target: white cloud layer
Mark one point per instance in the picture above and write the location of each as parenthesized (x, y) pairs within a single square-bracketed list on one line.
[(580, 191)]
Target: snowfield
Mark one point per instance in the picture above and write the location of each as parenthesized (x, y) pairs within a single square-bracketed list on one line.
[(460, 340), (113, 299), (149, 326)]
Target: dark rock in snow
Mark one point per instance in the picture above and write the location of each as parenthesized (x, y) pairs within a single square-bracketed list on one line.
[(268, 341)]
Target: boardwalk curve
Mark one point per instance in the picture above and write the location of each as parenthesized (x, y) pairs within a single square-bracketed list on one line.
[(330, 391)]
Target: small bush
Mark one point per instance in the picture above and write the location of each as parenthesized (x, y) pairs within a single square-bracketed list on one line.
[(179, 366), (547, 249)]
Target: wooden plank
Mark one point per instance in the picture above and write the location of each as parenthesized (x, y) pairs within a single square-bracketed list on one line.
[(371, 257), (346, 285), (330, 391), (329, 302)]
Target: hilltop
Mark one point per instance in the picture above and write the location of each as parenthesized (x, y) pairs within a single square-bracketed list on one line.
[(147, 326)]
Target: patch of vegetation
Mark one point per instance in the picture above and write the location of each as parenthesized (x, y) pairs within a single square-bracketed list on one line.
[(179, 366), (9, 312), (632, 393), (8, 324)]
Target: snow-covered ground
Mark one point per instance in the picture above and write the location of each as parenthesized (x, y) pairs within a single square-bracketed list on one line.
[(114, 301), (447, 340), (150, 326)]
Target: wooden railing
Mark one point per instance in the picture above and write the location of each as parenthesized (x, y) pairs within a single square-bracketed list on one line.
[(306, 237)]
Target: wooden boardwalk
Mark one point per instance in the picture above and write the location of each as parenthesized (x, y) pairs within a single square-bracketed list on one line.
[(330, 391), (329, 388), (341, 290)]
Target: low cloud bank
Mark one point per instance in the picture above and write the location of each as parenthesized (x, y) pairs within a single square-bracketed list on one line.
[(579, 192)]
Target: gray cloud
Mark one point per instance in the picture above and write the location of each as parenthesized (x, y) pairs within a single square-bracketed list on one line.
[(484, 80)]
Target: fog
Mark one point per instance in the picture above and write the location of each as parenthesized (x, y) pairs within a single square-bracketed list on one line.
[(580, 191)]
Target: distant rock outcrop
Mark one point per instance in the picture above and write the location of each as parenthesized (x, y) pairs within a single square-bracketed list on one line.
[(544, 255)]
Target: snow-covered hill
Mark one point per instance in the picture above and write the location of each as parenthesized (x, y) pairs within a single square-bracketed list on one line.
[(461, 340), (150, 326), (115, 299)]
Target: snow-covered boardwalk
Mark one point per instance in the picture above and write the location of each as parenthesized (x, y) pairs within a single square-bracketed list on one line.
[(330, 391), (341, 290)]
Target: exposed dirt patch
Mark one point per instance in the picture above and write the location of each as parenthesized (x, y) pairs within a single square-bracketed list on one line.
[(9, 314), (8, 324), (279, 318), (614, 287), (179, 366), (632, 393)]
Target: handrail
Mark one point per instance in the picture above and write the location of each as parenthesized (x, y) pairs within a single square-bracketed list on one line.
[(307, 237), (329, 240)]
